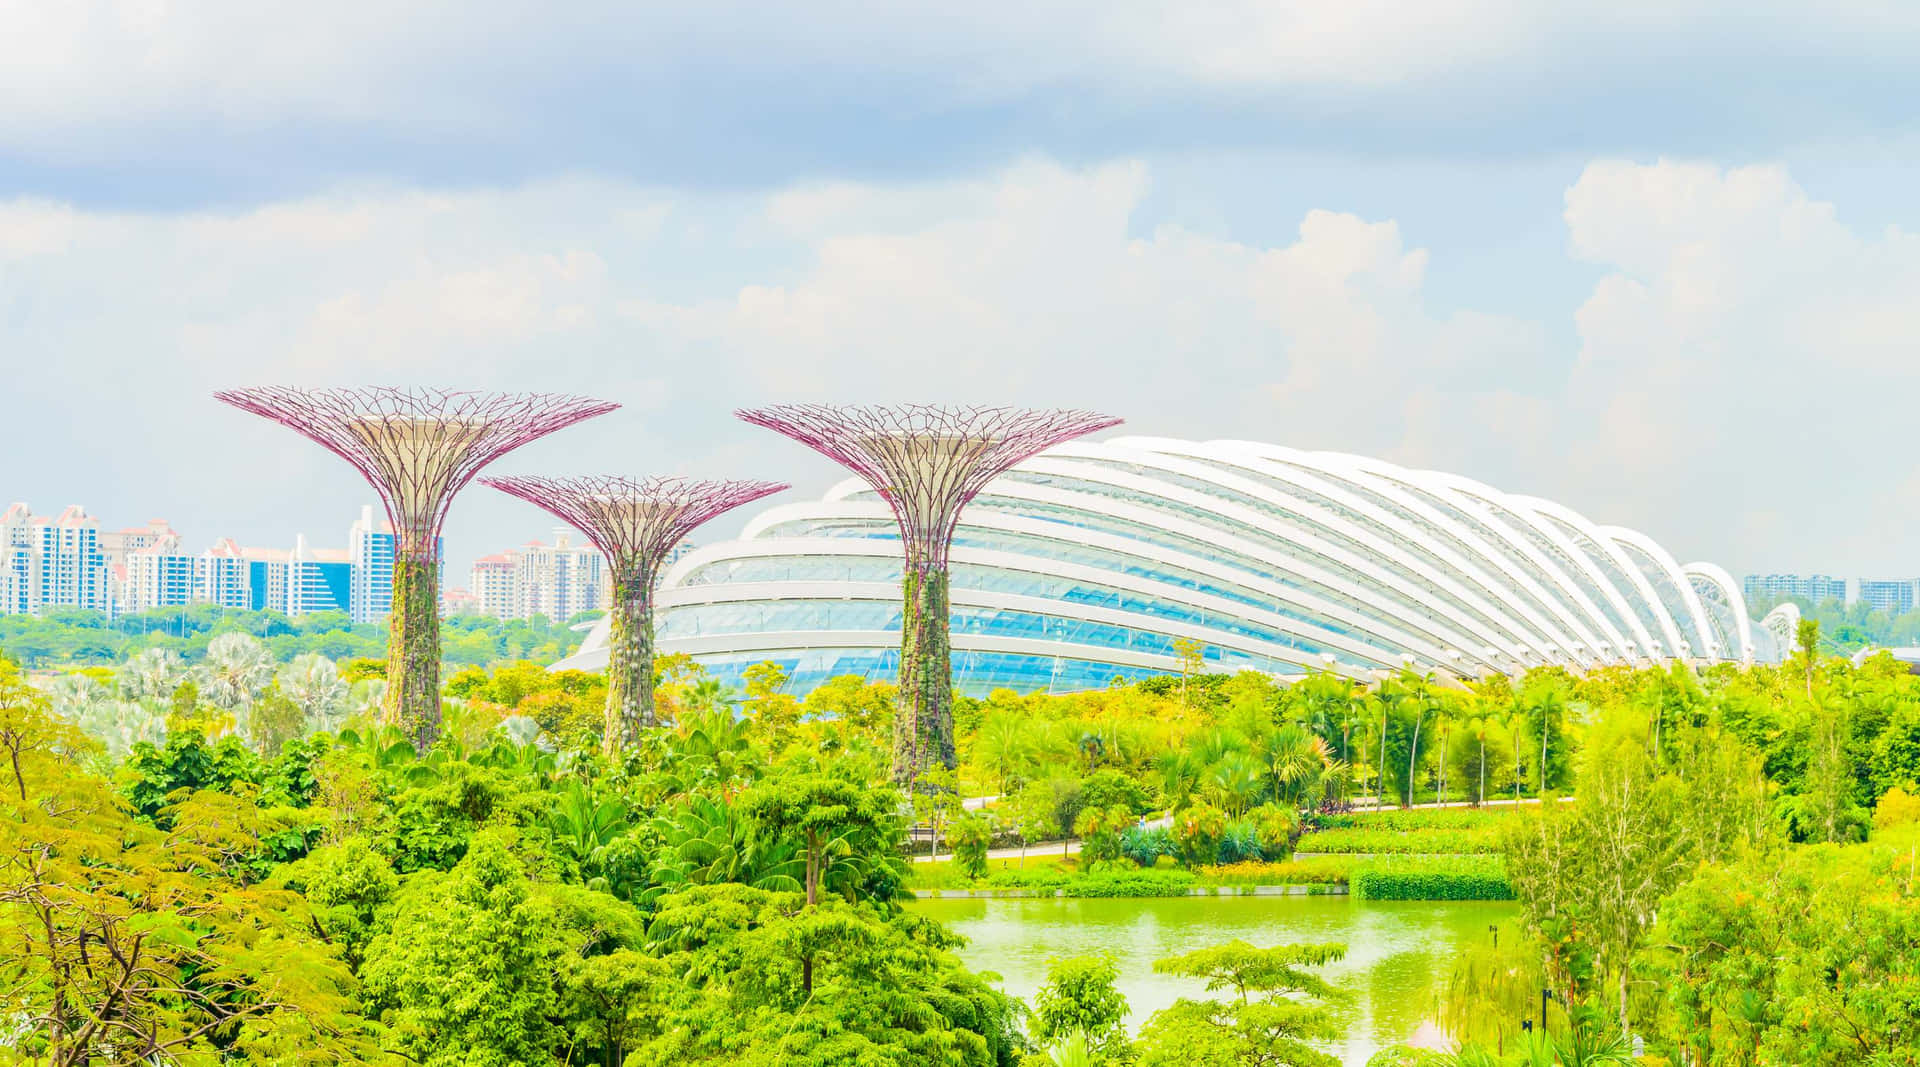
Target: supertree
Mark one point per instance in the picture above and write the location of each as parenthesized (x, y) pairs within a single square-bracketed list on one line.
[(635, 523), (926, 462), (418, 448)]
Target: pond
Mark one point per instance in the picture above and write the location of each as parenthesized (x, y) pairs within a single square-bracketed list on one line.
[(1398, 953)]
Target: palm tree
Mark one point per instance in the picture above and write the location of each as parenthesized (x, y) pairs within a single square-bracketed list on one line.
[(238, 668), (313, 682), (708, 695), (1234, 782), (1179, 774), (1003, 748), (152, 674), (1385, 696), (1446, 707), (1544, 707), (1423, 705), (1292, 760)]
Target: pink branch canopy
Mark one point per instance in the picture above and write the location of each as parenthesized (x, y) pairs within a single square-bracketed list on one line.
[(926, 461), (635, 522), (417, 447)]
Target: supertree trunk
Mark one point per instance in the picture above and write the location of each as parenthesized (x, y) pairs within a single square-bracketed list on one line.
[(629, 663), (923, 720), (413, 652)]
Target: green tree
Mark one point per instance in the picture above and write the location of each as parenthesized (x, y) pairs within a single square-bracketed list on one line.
[(1542, 704), (970, 834), (1277, 1007), (1479, 755), (836, 823), (347, 886), (1049, 807), (464, 976), (884, 987), (1081, 996), (274, 720), (1804, 958), (1003, 749), (126, 943)]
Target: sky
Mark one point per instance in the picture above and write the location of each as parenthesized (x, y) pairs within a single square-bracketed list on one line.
[(1655, 261)]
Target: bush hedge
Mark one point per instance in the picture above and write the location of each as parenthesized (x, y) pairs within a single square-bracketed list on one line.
[(1415, 819), (1468, 878), (1314, 871), (1362, 841), (1142, 883)]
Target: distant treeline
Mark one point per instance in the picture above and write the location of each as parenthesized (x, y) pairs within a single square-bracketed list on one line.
[(1851, 627), (70, 636)]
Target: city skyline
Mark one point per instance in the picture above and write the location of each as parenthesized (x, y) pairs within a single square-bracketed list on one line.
[(152, 564)]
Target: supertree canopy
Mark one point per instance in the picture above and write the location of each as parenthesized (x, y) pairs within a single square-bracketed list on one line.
[(926, 462), (635, 523), (418, 448)]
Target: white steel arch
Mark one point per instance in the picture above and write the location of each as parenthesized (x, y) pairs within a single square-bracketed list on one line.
[(1096, 555)]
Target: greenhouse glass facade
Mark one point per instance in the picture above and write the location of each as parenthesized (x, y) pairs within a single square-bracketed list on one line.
[(1087, 562)]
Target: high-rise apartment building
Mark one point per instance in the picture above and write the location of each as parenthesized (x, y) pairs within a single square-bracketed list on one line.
[(1895, 596), (1813, 588), (19, 560), (71, 571), (557, 581), (223, 576), (158, 574), (456, 602), (117, 545), (491, 582), (318, 579), (266, 578), (370, 551)]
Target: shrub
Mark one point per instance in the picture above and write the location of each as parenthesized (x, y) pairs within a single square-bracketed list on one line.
[(1475, 878), (1277, 828), (1239, 842), (1131, 884), (1108, 788), (969, 835), (1028, 878), (1147, 845), (1417, 819), (1382, 841), (1319, 871), (1896, 808), (1198, 829), (1099, 830), (1105, 883)]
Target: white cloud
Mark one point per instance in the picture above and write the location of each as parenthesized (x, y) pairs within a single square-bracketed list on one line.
[(1749, 351), (1744, 356), (439, 67)]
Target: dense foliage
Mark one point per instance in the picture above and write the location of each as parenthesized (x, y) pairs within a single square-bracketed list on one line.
[(74, 636), (223, 858), (336, 898)]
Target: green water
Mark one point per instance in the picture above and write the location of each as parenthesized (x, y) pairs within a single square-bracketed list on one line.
[(1397, 952)]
